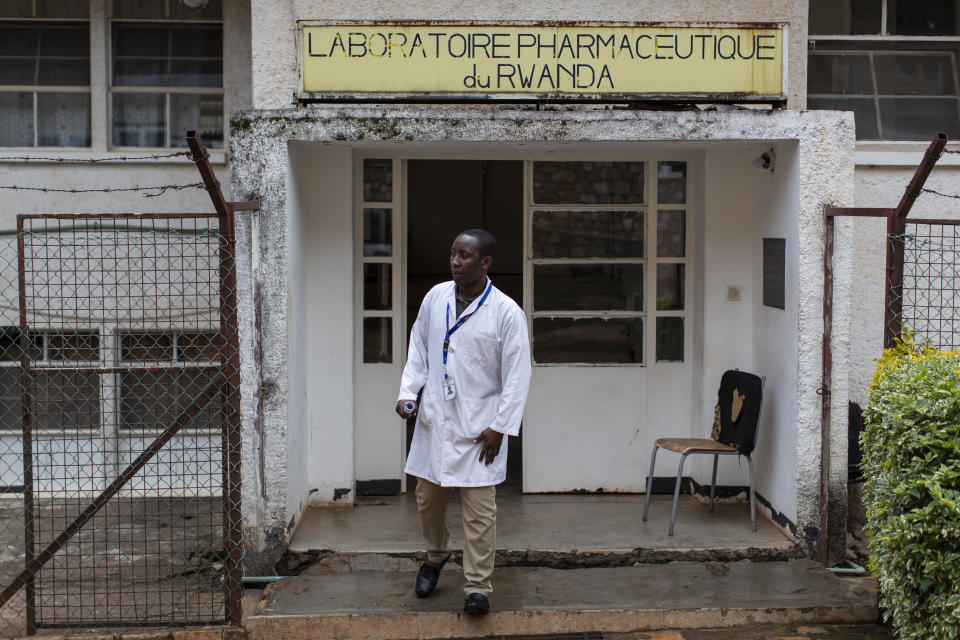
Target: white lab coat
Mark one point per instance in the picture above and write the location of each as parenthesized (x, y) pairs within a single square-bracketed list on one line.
[(489, 360)]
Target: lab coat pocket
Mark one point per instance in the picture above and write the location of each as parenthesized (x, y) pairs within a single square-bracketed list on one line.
[(480, 351)]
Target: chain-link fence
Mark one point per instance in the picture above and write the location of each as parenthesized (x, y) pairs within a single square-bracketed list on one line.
[(928, 300), (119, 440)]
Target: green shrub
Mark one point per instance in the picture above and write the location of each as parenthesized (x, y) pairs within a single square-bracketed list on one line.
[(911, 461)]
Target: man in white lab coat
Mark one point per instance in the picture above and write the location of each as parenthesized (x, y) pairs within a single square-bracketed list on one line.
[(470, 354)]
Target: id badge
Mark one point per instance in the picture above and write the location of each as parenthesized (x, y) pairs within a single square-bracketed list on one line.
[(449, 389)]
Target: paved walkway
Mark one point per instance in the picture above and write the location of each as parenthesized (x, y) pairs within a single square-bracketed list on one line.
[(752, 632)]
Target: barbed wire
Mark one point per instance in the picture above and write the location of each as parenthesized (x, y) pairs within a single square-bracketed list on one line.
[(951, 150), (152, 156), (941, 194), (160, 189)]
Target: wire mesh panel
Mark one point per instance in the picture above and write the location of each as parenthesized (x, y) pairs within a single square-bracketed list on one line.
[(928, 302), (118, 374)]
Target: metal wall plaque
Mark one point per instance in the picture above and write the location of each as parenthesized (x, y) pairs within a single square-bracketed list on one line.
[(702, 62)]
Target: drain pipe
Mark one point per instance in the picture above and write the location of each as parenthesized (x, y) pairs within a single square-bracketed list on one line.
[(261, 579), (853, 570)]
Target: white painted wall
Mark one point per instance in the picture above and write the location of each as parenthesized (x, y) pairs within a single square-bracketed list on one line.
[(325, 295), (743, 205)]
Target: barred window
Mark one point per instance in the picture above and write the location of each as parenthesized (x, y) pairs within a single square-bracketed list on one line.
[(170, 371), (44, 74)]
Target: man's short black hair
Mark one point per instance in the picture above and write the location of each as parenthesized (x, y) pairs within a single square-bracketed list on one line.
[(488, 244)]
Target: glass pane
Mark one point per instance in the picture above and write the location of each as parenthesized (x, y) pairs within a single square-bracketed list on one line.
[(16, 119), (198, 346), (202, 113), (672, 182), (10, 395), (9, 344), (63, 8), (844, 17), (64, 73), (915, 74), (18, 71), (63, 119), (72, 41), (839, 73), (78, 346), (139, 72), (377, 339), (196, 73), (588, 287), (140, 40), (16, 9), (922, 17), (588, 340), (377, 180), (144, 346), (588, 234), (19, 40), (918, 118), (139, 8), (669, 339), (154, 399), (864, 113), (210, 10), (377, 287), (377, 232), (670, 284), (588, 182), (138, 120), (66, 400), (195, 41), (671, 234)]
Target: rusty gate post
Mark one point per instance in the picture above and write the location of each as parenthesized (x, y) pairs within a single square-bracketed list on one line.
[(826, 397), (896, 227), (27, 435), (230, 350)]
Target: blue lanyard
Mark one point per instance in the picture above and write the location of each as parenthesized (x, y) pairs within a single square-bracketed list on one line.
[(458, 324)]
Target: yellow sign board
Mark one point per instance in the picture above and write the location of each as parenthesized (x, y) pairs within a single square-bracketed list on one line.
[(558, 59)]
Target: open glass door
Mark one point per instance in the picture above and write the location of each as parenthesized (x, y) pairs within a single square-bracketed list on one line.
[(378, 431)]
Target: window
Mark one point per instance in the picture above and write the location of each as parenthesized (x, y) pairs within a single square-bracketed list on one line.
[(44, 73), (601, 268), (892, 62), (377, 222), (63, 394), (166, 73), (176, 367), (160, 64)]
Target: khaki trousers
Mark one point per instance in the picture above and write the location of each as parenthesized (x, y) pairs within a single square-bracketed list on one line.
[(479, 506)]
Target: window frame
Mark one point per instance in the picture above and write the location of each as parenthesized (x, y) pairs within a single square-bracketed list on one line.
[(885, 46), (36, 89), (172, 364), (112, 89), (101, 91), (650, 209)]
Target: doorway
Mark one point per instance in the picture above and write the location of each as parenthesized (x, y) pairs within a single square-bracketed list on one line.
[(443, 198)]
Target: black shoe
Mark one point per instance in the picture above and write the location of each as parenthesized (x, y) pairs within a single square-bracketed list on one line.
[(427, 578), (476, 604)]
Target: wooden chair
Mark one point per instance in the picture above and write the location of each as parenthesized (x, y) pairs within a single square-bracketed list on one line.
[(734, 433)]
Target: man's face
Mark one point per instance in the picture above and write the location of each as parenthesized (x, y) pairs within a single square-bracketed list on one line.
[(466, 263)]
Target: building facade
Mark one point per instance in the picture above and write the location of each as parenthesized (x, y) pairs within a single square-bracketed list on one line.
[(634, 232)]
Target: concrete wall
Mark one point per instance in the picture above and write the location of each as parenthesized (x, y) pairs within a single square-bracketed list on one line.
[(824, 161), (274, 27)]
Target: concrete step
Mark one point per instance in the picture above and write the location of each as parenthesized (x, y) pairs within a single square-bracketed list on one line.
[(534, 600)]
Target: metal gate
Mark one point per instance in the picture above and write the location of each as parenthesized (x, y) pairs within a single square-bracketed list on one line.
[(120, 434)]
